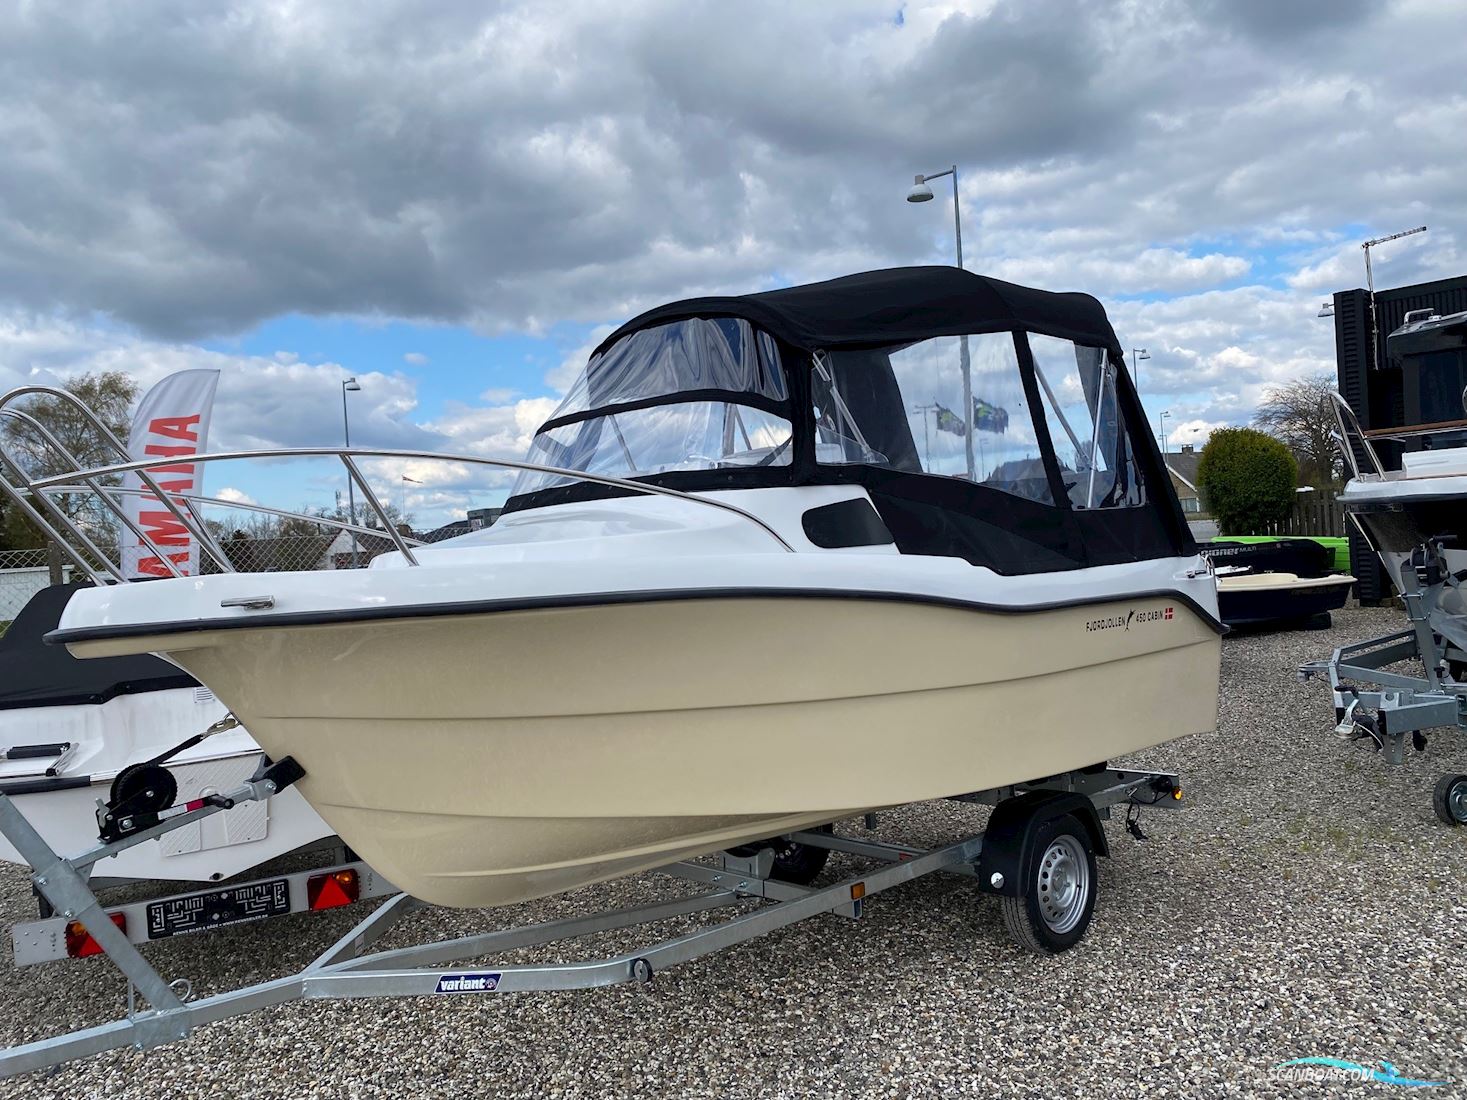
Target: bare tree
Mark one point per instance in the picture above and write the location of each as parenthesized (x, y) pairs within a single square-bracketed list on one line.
[(1297, 414), (109, 395)]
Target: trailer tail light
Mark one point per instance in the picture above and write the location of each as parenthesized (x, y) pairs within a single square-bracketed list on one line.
[(79, 942), (333, 889)]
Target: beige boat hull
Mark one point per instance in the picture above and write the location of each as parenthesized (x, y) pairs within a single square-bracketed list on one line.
[(484, 759)]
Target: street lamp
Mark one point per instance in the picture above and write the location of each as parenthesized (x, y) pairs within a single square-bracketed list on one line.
[(1370, 283), (402, 496), (1137, 354), (350, 386), (926, 436), (1166, 413), (920, 192), (1326, 310)]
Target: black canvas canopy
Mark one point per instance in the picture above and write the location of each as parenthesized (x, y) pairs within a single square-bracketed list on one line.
[(894, 306), (820, 363), (33, 674)]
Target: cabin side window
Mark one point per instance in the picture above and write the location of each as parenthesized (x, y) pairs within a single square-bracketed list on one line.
[(1077, 386), (902, 408)]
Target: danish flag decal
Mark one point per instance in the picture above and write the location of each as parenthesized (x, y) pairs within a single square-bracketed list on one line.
[(1168, 613)]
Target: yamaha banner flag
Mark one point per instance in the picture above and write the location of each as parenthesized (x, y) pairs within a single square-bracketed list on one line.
[(172, 422)]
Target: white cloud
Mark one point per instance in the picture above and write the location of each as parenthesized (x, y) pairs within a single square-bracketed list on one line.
[(172, 181), (449, 165), (262, 401), (233, 495), (561, 377)]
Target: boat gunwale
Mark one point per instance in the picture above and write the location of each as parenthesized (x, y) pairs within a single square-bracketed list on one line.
[(459, 608)]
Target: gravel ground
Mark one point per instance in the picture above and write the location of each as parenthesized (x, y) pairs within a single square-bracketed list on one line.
[(1304, 901)]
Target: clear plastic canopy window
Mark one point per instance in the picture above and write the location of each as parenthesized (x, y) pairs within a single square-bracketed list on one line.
[(903, 408), (702, 354), (1085, 424), (719, 353)]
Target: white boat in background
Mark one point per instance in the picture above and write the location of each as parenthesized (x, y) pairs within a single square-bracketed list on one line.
[(69, 727), (1415, 514), (1411, 505), (757, 575)]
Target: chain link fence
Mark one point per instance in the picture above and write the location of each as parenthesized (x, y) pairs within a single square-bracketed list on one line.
[(23, 573)]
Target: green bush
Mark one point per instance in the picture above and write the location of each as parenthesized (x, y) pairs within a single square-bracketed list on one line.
[(1247, 480)]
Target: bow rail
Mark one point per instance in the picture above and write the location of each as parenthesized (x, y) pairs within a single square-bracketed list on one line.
[(40, 498)]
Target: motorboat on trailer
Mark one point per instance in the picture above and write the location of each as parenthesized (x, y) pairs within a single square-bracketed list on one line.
[(1283, 582), (1409, 483), (1407, 494), (1408, 489), (75, 733), (776, 560)]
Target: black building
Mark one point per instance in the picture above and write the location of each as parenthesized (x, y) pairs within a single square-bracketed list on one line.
[(1374, 386)]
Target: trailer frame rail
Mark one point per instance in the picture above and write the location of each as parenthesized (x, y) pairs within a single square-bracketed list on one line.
[(351, 968)]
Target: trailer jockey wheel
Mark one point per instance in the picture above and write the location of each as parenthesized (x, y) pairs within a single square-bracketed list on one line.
[(1059, 889), (1450, 799), (144, 788)]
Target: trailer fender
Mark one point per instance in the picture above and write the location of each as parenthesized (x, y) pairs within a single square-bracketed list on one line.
[(1010, 836)]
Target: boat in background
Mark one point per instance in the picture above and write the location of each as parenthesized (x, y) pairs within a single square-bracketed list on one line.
[(1283, 582), (1415, 513), (69, 728), (1411, 506), (776, 560)]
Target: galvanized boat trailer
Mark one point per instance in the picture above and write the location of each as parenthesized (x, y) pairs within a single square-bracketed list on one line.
[(1037, 855), (1387, 707), (1383, 706)]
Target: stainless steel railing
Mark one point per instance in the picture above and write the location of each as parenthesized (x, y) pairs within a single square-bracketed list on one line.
[(1349, 425), (37, 496)]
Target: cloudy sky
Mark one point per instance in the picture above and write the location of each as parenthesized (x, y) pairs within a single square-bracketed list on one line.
[(453, 200)]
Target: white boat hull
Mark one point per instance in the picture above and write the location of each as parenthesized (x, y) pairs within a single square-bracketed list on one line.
[(483, 759)]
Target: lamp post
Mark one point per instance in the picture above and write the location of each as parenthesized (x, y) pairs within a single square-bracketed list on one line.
[(920, 192), (1165, 414), (1138, 354), (926, 435), (1370, 284), (351, 385), (402, 497)]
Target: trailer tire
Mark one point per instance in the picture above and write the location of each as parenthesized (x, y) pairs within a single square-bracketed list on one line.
[(1450, 799), (1057, 901)]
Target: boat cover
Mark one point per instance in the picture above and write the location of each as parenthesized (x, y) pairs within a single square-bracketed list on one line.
[(34, 674), (1302, 557), (801, 363), (894, 306)]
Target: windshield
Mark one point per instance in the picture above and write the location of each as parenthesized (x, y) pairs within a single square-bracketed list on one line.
[(624, 417)]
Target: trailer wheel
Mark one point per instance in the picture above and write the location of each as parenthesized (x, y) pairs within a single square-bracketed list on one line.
[(1059, 889), (1450, 799)]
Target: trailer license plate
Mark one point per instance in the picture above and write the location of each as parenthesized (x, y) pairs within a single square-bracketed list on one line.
[(198, 912)]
